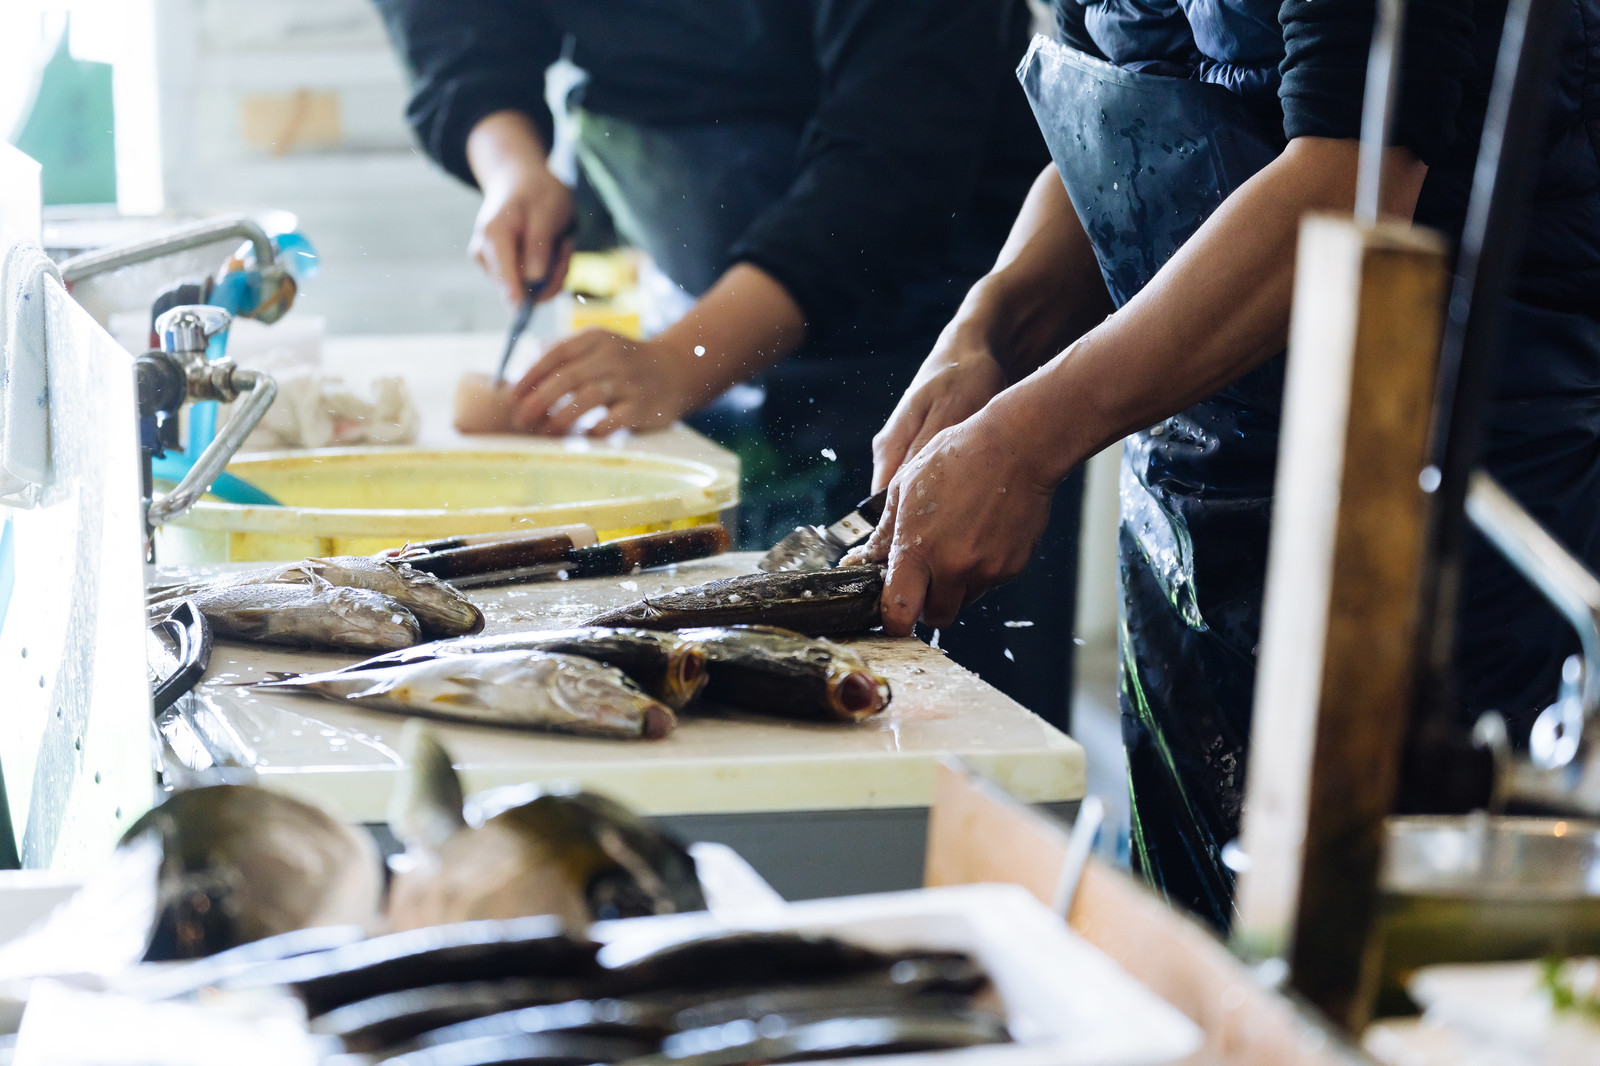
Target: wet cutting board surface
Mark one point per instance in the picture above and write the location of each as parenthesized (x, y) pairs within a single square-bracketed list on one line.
[(345, 758)]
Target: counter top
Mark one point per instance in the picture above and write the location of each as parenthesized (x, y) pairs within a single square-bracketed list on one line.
[(343, 758)]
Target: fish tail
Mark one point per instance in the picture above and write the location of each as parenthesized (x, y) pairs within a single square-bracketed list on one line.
[(425, 810)]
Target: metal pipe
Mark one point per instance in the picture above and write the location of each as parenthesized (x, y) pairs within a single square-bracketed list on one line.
[(1377, 113), (181, 239), (1491, 247), (1443, 773), (263, 390)]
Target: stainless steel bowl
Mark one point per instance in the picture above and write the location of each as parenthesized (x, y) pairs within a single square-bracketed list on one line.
[(1486, 857), (1477, 888)]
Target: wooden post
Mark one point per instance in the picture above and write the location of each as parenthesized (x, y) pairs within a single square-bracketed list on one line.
[(1337, 647)]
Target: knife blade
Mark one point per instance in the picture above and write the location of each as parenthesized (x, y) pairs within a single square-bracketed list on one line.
[(820, 547)]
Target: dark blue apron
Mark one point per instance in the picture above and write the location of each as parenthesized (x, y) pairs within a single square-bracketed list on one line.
[(1146, 159)]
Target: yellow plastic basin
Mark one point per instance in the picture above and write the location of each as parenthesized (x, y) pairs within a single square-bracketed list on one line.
[(354, 501)]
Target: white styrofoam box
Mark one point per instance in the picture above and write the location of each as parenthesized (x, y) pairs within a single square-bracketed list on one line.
[(1067, 1003)]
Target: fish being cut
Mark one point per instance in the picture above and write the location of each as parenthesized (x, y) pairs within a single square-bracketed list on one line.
[(241, 863), (439, 609), (518, 689), (774, 671), (665, 664), (813, 602), (315, 615), (579, 856)]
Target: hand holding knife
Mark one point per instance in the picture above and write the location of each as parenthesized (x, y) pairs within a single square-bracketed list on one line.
[(821, 547)]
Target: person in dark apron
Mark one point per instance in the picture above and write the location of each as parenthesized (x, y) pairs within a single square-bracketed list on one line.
[(825, 179), (1188, 139)]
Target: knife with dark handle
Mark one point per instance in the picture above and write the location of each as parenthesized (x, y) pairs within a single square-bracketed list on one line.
[(820, 547), (581, 536), (622, 556), (473, 560)]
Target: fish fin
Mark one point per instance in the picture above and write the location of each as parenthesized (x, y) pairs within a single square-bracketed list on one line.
[(463, 700), (425, 809)]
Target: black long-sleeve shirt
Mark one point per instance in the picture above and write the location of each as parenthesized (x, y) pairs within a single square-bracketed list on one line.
[(909, 113)]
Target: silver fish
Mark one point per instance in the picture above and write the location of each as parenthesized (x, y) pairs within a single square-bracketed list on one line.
[(663, 663), (520, 689), (441, 610), (579, 856), (241, 863), (316, 615)]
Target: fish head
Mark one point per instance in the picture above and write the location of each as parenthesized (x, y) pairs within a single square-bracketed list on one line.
[(370, 619), (686, 671), (598, 693), (441, 605)]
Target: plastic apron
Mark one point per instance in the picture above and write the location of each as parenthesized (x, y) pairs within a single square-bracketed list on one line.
[(1146, 159)]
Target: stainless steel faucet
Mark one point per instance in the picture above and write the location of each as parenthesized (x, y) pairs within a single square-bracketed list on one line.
[(185, 333), (1562, 768), (278, 283)]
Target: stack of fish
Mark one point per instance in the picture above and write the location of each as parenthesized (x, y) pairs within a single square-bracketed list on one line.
[(241, 863), (489, 993), (606, 682), (350, 603), (482, 956)]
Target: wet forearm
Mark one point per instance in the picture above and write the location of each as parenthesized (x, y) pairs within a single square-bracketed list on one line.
[(1217, 310)]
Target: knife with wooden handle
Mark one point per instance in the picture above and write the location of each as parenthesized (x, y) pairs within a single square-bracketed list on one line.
[(622, 556)]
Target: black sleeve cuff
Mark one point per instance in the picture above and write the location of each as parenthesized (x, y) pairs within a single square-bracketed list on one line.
[(443, 119), (1326, 43)]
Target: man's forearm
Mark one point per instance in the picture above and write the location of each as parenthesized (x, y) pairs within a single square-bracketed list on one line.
[(1045, 289), (744, 324), (502, 141), (1217, 310)]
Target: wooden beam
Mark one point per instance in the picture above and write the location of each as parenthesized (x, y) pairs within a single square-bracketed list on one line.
[(1337, 647)]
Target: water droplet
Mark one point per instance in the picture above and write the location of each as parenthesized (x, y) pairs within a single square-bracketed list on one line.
[(1017, 624), (829, 454), (699, 349), (1013, 658)]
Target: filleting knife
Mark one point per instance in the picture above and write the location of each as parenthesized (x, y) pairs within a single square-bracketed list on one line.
[(820, 547)]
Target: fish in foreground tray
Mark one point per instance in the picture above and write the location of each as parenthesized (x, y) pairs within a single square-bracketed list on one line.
[(579, 856), (518, 689), (813, 602), (776, 1039), (535, 948), (779, 672), (318, 615), (667, 665), (440, 610), (241, 863)]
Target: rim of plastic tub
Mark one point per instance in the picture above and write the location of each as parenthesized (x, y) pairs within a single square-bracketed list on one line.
[(706, 489)]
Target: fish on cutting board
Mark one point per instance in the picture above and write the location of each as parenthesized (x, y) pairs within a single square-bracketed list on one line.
[(668, 665), (517, 689), (778, 672), (439, 609), (315, 615), (813, 602), (241, 863), (578, 856)]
